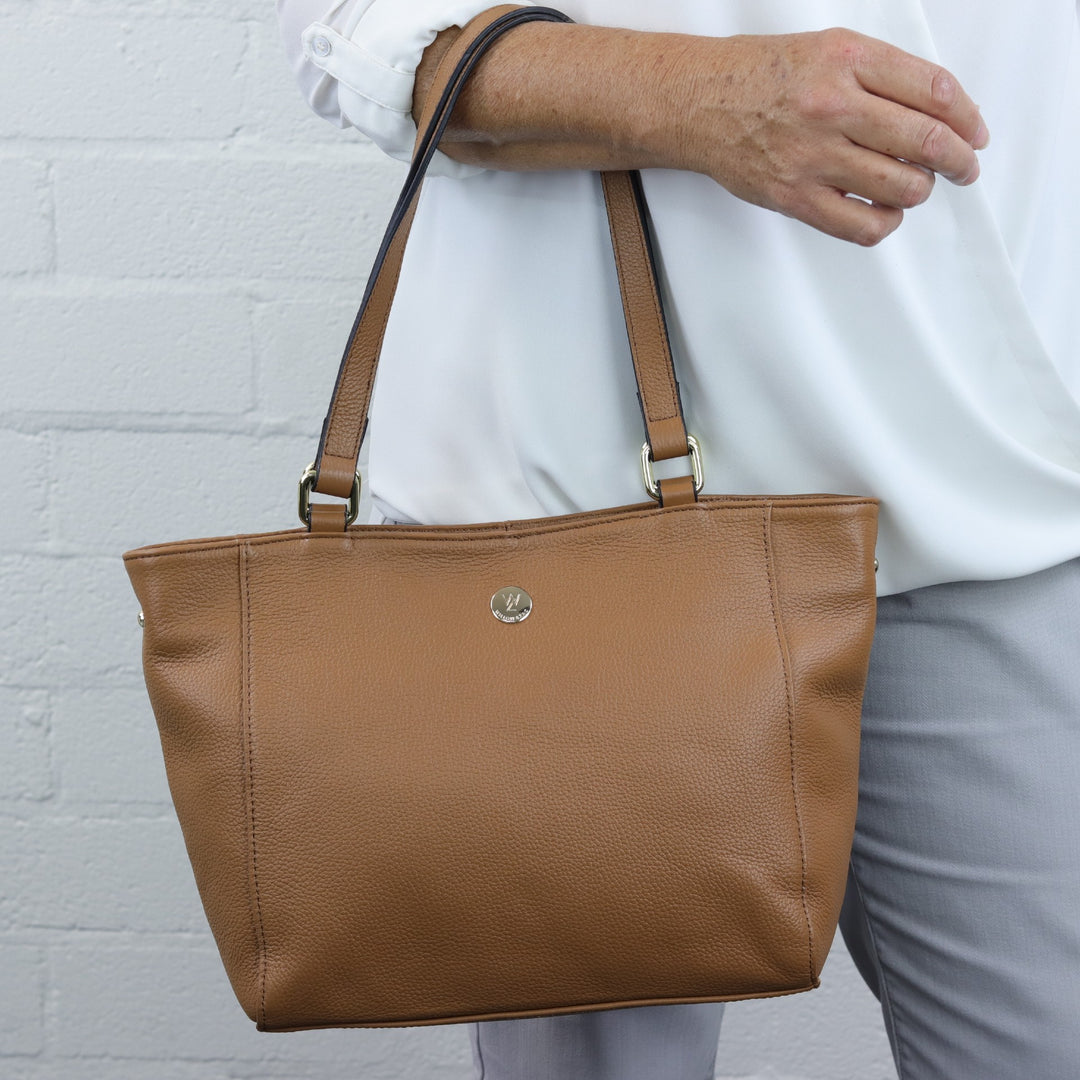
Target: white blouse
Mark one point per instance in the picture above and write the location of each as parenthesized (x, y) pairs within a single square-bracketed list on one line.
[(939, 371)]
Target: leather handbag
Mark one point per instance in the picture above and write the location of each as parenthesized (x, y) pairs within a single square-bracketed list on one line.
[(437, 773)]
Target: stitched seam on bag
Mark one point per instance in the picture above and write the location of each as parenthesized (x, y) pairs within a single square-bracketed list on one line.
[(245, 779), (260, 935), (384, 532), (789, 689)]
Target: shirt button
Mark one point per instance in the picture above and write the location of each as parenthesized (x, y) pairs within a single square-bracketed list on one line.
[(320, 46)]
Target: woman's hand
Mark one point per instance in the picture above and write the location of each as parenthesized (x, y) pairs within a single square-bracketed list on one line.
[(838, 130), (797, 122)]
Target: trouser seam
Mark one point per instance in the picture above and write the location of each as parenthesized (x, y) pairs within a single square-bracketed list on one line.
[(480, 1053), (883, 979)]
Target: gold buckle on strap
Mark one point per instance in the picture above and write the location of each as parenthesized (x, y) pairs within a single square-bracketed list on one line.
[(352, 508), (696, 466)]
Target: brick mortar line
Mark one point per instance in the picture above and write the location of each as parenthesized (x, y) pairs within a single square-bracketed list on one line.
[(262, 292), (134, 10), (246, 425), (189, 283), (90, 814), (238, 147), (127, 814)]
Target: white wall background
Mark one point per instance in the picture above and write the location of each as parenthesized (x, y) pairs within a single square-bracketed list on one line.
[(181, 249)]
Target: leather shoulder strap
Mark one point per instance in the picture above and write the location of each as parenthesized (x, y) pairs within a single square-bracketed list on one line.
[(346, 421)]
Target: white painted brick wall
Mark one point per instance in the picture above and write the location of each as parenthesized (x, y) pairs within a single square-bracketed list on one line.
[(25, 216), (181, 249)]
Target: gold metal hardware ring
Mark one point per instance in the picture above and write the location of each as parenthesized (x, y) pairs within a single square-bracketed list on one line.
[(696, 466), (352, 509)]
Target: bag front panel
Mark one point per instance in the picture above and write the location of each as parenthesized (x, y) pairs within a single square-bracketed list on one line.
[(459, 817), (401, 810)]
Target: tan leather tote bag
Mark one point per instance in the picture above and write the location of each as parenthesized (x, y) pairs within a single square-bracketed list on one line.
[(429, 774)]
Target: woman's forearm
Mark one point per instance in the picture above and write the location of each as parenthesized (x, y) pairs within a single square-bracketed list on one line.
[(793, 122), (557, 95)]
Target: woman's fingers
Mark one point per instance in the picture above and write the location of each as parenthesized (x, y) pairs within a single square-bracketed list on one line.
[(898, 76), (905, 134), (879, 178), (847, 218), (891, 101)]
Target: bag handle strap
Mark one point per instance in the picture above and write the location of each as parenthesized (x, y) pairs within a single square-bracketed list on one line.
[(334, 471)]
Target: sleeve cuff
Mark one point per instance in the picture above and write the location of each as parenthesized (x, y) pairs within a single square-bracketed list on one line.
[(374, 62)]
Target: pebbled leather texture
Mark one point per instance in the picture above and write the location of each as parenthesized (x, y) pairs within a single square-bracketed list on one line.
[(327, 517), (677, 490), (401, 810), (645, 326)]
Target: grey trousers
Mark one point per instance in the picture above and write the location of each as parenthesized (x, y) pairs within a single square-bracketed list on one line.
[(963, 904)]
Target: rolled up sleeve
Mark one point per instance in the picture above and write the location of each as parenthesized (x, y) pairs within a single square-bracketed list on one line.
[(356, 63)]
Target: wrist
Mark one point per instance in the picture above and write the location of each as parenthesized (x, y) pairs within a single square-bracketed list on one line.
[(651, 116)]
